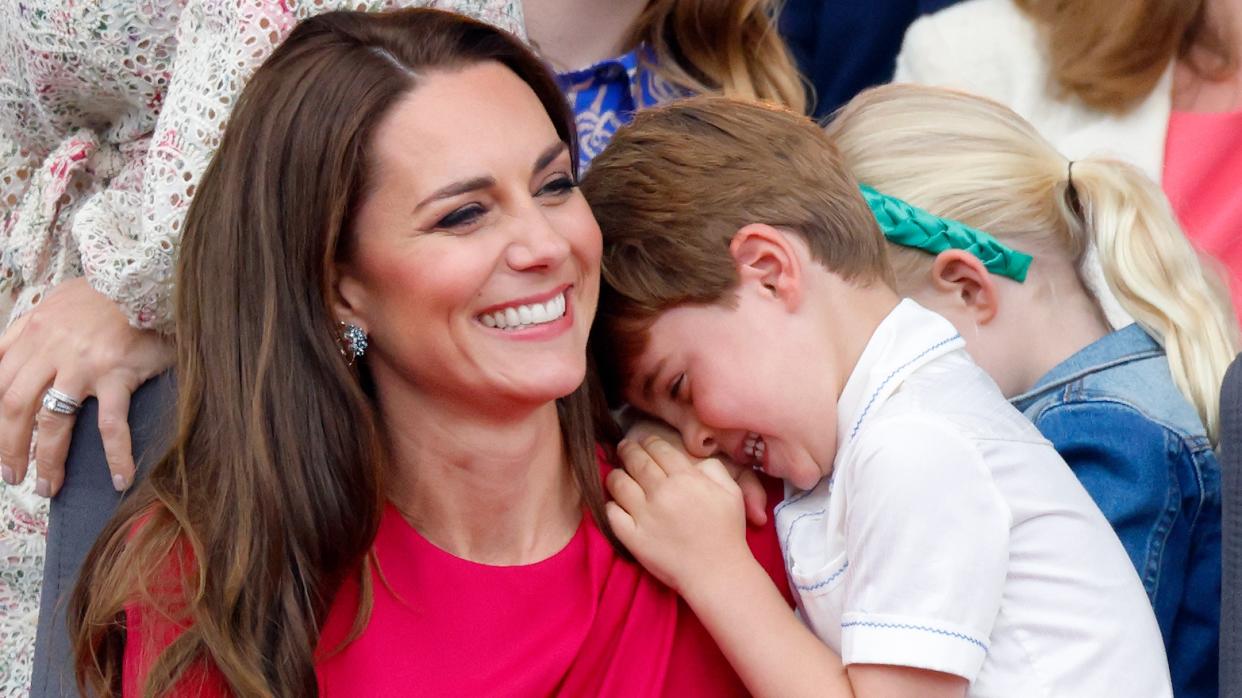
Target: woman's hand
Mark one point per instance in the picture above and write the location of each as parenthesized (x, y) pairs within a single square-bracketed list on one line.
[(78, 342), (682, 520), (754, 495)]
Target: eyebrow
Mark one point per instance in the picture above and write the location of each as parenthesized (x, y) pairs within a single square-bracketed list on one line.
[(545, 158), (649, 382)]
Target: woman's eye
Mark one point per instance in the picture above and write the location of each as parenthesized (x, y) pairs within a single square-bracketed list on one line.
[(462, 216), (558, 186)]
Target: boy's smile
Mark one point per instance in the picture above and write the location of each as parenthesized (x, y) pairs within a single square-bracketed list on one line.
[(712, 373)]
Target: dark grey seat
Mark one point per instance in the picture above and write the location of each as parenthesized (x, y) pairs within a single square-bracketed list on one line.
[(1231, 532), (78, 515)]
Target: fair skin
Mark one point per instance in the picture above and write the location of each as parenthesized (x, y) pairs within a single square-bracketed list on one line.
[(573, 34), (684, 521), (475, 211), (1017, 332), (77, 341), (1194, 93)]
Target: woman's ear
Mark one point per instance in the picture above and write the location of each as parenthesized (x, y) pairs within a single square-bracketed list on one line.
[(348, 297), (765, 257), (962, 276)]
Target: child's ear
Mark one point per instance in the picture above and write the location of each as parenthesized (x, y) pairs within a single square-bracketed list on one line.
[(961, 274), (765, 256)]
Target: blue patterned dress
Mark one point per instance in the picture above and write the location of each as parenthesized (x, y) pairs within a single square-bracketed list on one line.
[(605, 96)]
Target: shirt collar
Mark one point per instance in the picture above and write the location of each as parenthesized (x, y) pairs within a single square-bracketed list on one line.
[(908, 337), (1130, 343)]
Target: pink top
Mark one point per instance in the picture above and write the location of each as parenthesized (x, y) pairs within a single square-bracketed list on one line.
[(584, 622), (1202, 174)]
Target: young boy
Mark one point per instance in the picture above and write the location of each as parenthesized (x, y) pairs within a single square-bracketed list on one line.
[(937, 545)]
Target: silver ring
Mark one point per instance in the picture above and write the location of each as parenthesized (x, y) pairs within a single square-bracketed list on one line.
[(59, 403)]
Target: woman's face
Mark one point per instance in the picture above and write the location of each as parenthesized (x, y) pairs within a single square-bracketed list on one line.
[(475, 261)]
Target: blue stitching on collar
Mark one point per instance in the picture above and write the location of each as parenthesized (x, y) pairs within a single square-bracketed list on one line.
[(799, 517), (825, 582), (890, 376), (924, 628)]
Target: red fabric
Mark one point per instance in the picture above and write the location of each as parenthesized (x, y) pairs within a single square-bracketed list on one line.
[(1202, 169), (584, 622)]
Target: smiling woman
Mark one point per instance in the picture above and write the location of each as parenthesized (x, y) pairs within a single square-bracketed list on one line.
[(427, 512)]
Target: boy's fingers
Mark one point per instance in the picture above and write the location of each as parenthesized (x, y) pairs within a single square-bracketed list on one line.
[(625, 491), (717, 473), (621, 522), (640, 465), (754, 497), (666, 455)]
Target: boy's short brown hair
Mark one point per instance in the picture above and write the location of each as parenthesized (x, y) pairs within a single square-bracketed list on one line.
[(675, 186)]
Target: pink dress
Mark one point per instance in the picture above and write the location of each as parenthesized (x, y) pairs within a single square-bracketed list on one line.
[(584, 622), (1202, 178)]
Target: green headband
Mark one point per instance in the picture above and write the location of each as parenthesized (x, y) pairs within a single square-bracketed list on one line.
[(910, 226)]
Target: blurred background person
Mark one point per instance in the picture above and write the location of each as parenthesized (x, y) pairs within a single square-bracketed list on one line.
[(1154, 82), (846, 46), (615, 56)]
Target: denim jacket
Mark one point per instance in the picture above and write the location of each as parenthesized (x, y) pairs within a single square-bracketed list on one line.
[(1140, 449)]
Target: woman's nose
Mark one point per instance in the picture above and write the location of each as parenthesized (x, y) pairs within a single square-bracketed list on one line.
[(537, 243)]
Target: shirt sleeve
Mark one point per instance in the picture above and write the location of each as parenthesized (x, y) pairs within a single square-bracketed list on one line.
[(927, 535), (128, 240)]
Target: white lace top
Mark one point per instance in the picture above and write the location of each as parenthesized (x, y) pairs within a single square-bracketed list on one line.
[(109, 112)]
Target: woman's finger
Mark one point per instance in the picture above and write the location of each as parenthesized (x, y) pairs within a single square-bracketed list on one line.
[(52, 439), (18, 406), (11, 334), (114, 397), (625, 491), (639, 464)]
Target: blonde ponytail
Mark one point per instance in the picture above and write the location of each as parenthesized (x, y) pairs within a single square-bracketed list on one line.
[(1158, 277), (975, 161)]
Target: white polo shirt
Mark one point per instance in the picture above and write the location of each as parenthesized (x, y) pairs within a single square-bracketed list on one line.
[(951, 536)]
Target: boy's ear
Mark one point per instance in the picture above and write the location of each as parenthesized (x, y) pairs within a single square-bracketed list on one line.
[(961, 274), (766, 256)]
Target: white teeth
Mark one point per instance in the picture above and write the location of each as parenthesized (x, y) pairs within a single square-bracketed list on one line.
[(523, 316), (754, 446)]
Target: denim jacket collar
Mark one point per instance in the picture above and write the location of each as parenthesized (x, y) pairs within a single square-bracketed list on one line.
[(1130, 343)]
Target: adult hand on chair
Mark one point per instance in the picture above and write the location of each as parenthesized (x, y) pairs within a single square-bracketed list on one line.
[(75, 344)]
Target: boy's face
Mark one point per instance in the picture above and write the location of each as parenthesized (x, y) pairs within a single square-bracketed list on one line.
[(745, 382)]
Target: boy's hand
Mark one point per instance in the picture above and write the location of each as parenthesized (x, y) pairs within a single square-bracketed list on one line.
[(754, 496), (683, 521)]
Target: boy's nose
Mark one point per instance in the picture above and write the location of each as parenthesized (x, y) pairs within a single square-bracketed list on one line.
[(699, 441)]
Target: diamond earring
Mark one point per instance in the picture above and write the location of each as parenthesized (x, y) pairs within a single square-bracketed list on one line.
[(353, 342)]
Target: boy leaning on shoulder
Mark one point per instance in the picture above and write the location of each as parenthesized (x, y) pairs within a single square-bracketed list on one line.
[(937, 545)]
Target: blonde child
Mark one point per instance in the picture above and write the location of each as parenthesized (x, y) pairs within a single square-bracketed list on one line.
[(1134, 411)]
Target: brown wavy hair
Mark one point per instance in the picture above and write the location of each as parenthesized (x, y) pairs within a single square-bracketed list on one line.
[(1111, 53), (732, 47), (677, 184), (272, 493)]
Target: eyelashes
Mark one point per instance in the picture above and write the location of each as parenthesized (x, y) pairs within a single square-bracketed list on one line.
[(463, 216), (473, 212)]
